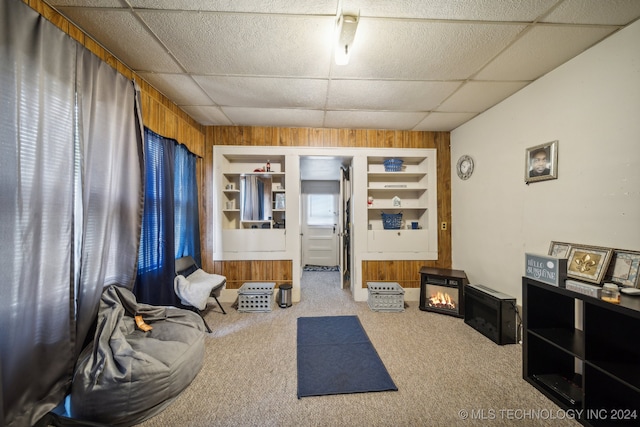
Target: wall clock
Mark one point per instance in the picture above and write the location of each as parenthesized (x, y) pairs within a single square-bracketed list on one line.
[(465, 167)]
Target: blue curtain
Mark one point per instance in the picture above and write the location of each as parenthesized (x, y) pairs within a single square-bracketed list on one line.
[(170, 221), (154, 283), (186, 216)]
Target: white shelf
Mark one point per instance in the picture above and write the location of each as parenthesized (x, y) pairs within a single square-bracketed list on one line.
[(390, 189), (396, 208), (392, 175), (262, 174), (412, 187)]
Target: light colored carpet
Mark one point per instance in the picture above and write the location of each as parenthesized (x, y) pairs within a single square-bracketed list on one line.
[(443, 369)]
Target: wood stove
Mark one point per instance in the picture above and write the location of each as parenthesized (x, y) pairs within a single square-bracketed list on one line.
[(442, 290)]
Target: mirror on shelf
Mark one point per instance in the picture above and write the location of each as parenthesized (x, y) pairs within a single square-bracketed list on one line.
[(255, 197)]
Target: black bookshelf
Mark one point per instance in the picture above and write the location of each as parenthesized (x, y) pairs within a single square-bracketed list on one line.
[(592, 366)]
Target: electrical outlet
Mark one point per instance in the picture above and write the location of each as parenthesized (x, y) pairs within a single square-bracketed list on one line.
[(443, 226)]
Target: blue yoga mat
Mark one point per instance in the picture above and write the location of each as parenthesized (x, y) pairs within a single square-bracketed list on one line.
[(335, 356)]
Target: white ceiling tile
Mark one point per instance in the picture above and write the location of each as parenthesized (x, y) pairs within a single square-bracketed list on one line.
[(180, 88), (207, 116), (396, 49), (393, 120), (387, 95), (480, 10), (242, 116), (125, 37), (478, 96), (272, 6), (609, 12), (444, 122), (265, 92), (540, 50), (259, 45)]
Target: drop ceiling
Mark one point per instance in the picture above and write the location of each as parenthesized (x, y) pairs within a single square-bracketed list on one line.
[(425, 65)]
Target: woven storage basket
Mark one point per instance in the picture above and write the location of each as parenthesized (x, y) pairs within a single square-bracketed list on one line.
[(391, 221), (393, 165)]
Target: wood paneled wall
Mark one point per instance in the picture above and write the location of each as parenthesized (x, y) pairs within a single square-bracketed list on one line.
[(240, 272), (404, 272)]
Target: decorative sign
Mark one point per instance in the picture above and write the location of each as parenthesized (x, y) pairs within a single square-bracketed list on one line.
[(545, 268)]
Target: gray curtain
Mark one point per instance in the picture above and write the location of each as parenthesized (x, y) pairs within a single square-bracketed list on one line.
[(70, 204), (256, 200), (110, 144), (37, 82)]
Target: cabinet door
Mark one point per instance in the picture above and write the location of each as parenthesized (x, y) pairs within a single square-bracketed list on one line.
[(398, 241), (253, 240)]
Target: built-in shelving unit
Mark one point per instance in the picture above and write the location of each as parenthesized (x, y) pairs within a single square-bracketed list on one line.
[(594, 355), (279, 235), (260, 180), (239, 172), (405, 191)]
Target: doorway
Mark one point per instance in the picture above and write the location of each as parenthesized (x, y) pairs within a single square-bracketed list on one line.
[(320, 205), (325, 215)]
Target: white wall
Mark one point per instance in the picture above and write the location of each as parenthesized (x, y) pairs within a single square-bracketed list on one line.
[(591, 105)]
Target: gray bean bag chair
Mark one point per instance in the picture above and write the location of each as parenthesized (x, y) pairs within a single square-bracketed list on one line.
[(128, 375)]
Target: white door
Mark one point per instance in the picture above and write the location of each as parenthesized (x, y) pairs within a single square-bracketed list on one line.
[(320, 226)]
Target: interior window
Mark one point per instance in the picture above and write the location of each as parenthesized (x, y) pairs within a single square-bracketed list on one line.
[(321, 209)]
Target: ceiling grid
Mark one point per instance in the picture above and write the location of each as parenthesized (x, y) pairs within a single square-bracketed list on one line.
[(428, 65)]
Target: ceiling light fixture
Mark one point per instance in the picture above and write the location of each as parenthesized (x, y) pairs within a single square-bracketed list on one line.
[(345, 33)]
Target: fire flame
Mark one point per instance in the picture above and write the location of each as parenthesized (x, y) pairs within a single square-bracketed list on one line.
[(442, 300)]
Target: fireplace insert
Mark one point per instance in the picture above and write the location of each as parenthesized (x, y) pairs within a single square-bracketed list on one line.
[(491, 313), (442, 291)]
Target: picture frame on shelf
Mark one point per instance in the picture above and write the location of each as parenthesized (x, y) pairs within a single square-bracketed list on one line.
[(588, 263), (541, 162), (559, 249), (624, 268), (280, 201)]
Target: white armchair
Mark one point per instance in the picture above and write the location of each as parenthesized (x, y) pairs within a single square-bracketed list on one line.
[(195, 286)]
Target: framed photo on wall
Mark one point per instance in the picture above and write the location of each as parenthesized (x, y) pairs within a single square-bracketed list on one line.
[(624, 268), (588, 263), (541, 162)]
